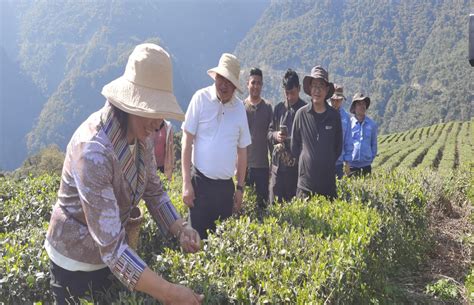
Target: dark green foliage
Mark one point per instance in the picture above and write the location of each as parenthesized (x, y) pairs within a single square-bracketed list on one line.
[(68, 50), (408, 56), (27, 202), (25, 208), (280, 260), (48, 161), (347, 251), (400, 198)]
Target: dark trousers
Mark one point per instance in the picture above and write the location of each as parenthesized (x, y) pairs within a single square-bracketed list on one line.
[(304, 194), (339, 170), (260, 178), (360, 171), (214, 200), (283, 184), (68, 286)]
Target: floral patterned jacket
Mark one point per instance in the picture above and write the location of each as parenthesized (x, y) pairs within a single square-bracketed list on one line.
[(102, 180)]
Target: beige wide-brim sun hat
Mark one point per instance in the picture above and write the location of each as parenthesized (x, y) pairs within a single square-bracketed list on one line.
[(338, 93), (359, 97), (146, 87), (229, 68)]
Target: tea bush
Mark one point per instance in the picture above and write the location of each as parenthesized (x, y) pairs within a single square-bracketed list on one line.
[(25, 208), (400, 198), (316, 251), (319, 256), (26, 202)]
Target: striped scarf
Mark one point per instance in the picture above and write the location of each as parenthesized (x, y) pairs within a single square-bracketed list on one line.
[(133, 166)]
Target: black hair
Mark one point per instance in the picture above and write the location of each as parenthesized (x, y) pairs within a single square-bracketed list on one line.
[(121, 116), (290, 80), (256, 71)]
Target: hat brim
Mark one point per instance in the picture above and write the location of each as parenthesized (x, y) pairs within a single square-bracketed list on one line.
[(338, 97), (224, 73), (142, 101), (307, 86), (367, 103)]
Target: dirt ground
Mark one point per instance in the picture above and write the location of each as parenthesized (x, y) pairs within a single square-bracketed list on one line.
[(450, 257)]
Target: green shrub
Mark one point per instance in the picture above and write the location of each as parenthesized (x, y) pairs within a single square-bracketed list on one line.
[(400, 199), (48, 160), (445, 289), (24, 266), (25, 208), (278, 260), (27, 203), (342, 252)]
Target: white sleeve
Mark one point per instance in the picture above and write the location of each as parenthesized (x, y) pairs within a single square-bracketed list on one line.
[(191, 118), (244, 132)]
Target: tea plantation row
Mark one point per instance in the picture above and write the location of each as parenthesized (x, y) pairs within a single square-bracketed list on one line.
[(442, 147), (342, 252)]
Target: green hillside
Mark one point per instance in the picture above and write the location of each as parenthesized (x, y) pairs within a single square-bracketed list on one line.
[(410, 57), (442, 147), (68, 50)]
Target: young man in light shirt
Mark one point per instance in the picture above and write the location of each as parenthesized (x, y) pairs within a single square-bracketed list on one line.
[(259, 116)]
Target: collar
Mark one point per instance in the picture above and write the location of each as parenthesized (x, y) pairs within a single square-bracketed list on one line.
[(215, 98), (299, 103), (360, 122), (132, 166), (310, 108), (259, 105)]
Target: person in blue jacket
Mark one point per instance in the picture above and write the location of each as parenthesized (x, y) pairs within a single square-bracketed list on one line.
[(342, 163), (364, 136)]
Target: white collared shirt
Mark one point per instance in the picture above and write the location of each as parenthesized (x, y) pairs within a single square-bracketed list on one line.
[(218, 130)]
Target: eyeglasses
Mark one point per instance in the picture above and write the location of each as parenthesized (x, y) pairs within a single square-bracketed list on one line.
[(318, 86)]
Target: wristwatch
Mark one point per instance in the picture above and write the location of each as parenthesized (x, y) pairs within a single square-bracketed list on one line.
[(239, 188)]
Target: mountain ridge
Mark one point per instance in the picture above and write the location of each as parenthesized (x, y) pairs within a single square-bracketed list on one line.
[(71, 49), (409, 57), (379, 48)]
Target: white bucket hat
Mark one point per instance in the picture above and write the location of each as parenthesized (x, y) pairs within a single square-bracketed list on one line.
[(146, 87), (229, 67)]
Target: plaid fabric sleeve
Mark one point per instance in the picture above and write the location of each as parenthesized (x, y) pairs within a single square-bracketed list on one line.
[(128, 268), (164, 214)]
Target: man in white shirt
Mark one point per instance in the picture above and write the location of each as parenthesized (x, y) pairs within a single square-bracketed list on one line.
[(215, 140)]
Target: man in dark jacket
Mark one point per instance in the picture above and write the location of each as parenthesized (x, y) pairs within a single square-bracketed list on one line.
[(284, 172), (316, 139)]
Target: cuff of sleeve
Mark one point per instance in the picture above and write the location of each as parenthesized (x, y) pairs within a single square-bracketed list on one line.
[(128, 268), (167, 215)]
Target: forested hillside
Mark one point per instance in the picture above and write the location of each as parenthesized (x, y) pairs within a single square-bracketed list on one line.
[(70, 49), (409, 56)]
